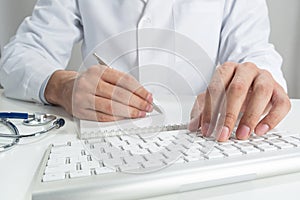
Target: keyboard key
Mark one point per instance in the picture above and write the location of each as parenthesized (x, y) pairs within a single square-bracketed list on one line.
[(134, 159), (270, 136), (153, 164), (138, 151), (163, 143), (80, 173), (61, 168), (227, 148), (154, 157), (256, 138), (75, 159), (233, 153), (129, 167), (53, 176), (267, 148), (228, 142), (292, 141), (154, 148), (119, 153), (192, 152), (112, 162), (260, 143), (214, 155), (276, 141), (176, 147), (296, 136), (250, 150), (115, 141), (97, 155), (56, 161), (173, 155), (194, 158), (283, 134), (104, 170), (284, 145), (89, 165), (239, 141)]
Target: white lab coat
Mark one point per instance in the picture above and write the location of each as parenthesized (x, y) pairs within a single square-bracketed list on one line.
[(122, 32)]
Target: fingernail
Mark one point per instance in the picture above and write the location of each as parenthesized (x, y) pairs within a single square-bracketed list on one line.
[(149, 108), (149, 98), (142, 114), (204, 129), (262, 129), (243, 132), (224, 134)]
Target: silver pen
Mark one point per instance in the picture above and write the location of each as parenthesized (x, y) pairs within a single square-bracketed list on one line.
[(101, 62)]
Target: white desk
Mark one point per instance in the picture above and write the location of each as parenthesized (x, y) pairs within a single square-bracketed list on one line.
[(18, 165)]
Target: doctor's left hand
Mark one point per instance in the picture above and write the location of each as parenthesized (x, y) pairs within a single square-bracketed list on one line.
[(245, 89)]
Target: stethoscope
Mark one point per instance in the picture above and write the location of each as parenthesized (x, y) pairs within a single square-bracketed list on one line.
[(36, 119)]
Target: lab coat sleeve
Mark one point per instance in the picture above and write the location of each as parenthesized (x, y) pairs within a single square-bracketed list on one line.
[(245, 37), (42, 45)]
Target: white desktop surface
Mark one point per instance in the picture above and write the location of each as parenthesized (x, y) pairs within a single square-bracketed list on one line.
[(18, 165)]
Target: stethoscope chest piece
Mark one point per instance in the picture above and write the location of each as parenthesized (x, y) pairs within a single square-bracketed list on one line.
[(39, 119)]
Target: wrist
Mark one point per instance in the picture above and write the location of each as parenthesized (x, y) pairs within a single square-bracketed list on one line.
[(55, 89)]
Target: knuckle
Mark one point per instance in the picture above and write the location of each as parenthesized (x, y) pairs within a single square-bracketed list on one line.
[(266, 73), (250, 119), (100, 86), (284, 102), (230, 119), (281, 101), (212, 89), (108, 108), (143, 104), (134, 113), (118, 94), (263, 88), (125, 77), (81, 82), (93, 69), (229, 64), (238, 86), (250, 65)]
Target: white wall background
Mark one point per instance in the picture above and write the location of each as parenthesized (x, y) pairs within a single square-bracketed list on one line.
[(285, 23)]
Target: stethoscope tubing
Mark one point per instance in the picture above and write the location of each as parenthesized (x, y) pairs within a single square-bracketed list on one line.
[(15, 136), (56, 124), (15, 131)]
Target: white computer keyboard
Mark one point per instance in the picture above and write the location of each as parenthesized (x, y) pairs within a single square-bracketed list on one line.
[(140, 153)]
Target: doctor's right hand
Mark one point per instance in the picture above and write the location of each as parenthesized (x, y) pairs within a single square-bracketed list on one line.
[(99, 94)]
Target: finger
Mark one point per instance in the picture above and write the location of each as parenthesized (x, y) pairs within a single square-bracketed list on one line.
[(114, 108), (195, 116), (214, 92), (257, 103), (198, 106), (123, 96), (93, 115), (194, 124), (235, 97), (280, 107), (127, 82)]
